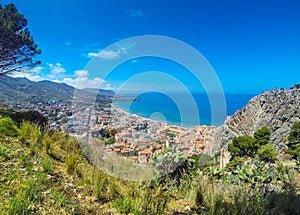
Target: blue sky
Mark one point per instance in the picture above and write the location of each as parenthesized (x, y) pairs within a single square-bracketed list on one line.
[(252, 45)]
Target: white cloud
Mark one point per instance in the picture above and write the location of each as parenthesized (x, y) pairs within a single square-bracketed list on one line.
[(83, 82), (56, 69), (56, 73), (28, 76), (81, 73), (105, 54), (108, 87), (111, 54), (35, 78), (69, 81), (31, 74), (36, 70)]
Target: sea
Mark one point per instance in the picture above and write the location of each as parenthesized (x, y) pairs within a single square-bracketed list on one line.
[(185, 110)]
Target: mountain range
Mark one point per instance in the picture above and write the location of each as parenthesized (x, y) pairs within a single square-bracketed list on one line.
[(17, 90)]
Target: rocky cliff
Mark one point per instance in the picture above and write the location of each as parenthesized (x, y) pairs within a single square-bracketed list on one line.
[(276, 109)]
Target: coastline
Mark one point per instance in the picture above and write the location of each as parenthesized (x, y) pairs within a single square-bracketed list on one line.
[(140, 136), (128, 114), (169, 113)]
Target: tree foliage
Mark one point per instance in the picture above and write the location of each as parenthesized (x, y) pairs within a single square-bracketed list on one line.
[(295, 133), (294, 141), (32, 116), (241, 146), (17, 47), (267, 152), (262, 136), (258, 145)]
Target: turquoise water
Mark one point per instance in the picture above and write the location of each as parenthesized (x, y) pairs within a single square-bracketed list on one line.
[(162, 108)]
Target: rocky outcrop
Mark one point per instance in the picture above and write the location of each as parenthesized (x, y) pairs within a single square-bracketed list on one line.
[(276, 109)]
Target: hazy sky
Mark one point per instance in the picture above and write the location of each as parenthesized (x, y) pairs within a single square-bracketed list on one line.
[(252, 45)]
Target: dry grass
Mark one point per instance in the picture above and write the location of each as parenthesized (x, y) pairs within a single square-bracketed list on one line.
[(54, 177)]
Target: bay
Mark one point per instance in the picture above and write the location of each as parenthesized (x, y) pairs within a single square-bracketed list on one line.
[(163, 108)]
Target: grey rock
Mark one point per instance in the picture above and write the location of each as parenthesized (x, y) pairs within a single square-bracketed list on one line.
[(275, 109)]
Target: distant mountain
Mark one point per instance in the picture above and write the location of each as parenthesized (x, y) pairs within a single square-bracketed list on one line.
[(15, 90), (276, 109), (100, 92)]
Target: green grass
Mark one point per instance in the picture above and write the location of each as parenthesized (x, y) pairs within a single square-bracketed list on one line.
[(30, 134), (61, 200), (72, 162), (47, 165), (46, 173), (124, 206), (17, 205), (47, 143), (7, 127), (31, 190), (3, 153)]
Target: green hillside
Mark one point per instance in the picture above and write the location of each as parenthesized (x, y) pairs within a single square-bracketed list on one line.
[(24, 90), (18, 90), (46, 173)]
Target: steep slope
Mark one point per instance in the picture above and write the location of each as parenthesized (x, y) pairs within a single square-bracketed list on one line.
[(276, 109), (38, 181)]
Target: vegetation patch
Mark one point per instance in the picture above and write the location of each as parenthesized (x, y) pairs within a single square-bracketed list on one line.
[(58, 179)]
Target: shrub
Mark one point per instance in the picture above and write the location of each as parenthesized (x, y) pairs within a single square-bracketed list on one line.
[(99, 187), (227, 200), (30, 133), (152, 201), (236, 161), (109, 141), (294, 139), (7, 127), (253, 146), (31, 116), (267, 152), (294, 133), (124, 206), (286, 202), (241, 146), (70, 144), (72, 162), (203, 160), (47, 141)]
